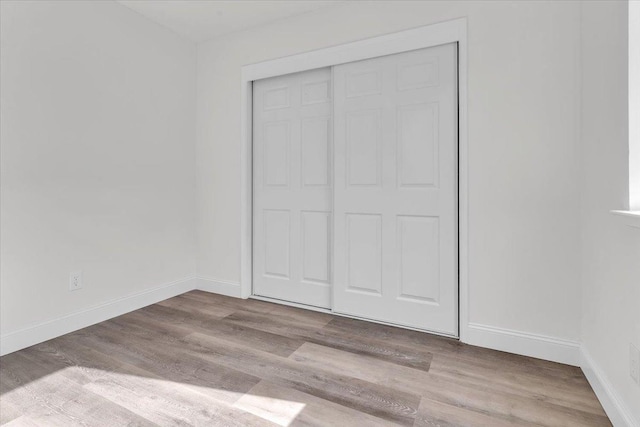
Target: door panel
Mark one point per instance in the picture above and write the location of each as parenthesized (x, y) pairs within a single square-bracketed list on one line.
[(419, 258), (292, 152), (364, 253), (314, 139), (316, 246), (276, 153), (395, 202), (417, 148), (364, 159), (277, 237)]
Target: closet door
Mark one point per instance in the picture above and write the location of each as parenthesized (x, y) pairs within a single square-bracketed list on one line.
[(395, 203), (292, 169)]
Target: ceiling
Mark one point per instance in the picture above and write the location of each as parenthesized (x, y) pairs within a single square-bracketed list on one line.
[(201, 20)]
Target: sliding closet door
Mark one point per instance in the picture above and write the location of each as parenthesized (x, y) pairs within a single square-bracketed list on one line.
[(292, 161), (395, 121)]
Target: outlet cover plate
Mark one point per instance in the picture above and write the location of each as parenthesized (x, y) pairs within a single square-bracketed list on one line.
[(75, 280)]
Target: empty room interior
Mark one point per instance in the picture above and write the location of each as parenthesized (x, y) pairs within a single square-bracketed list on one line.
[(327, 213)]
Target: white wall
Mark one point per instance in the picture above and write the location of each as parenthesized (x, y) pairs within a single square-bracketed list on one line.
[(611, 249), (98, 136), (523, 133), (634, 106)]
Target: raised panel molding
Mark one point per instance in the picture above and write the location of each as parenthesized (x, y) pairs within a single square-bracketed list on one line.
[(277, 241), (416, 76), (418, 145), (316, 249), (315, 151), (364, 253), (276, 98), (276, 140), (315, 93), (419, 263), (364, 159)]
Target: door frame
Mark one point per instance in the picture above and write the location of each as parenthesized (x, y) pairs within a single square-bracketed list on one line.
[(454, 31)]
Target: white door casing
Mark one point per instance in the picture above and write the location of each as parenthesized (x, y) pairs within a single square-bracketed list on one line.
[(395, 201), (292, 164)]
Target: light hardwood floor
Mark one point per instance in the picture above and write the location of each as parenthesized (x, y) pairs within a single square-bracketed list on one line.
[(209, 360)]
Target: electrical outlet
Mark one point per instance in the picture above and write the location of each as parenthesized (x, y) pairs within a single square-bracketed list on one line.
[(75, 280), (634, 363)]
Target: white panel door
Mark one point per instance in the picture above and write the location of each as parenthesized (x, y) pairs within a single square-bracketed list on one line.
[(395, 204), (292, 169)]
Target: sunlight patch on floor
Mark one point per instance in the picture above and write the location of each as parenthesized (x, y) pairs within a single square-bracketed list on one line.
[(125, 387), (279, 411)]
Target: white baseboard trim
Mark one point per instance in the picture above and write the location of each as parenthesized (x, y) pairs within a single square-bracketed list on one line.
[(27, 337), (221, 287), (619, 414), (524, 343)]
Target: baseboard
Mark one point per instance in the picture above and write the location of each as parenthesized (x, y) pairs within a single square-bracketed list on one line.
[(615, 408), (216, 286), (27, 337), (523, 343)]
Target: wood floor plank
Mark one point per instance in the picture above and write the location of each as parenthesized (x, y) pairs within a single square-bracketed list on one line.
[(432, 413), (295, 408), (295, 315), (418, 358), (78, 363), (380, 401), (484, 399), (540, 388), (49, 398), (151, 396), (318, 357), (9, 411), (265, 341), (307, 317), (315, 357), (194, 305), (170, 403), (163, 357), (25, 421), (373, 399), (212, 360), (222, 301), (454, 349)]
